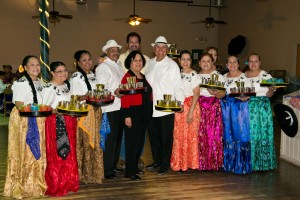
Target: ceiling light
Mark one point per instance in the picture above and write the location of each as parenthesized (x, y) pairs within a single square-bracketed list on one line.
[(81, 2), (134, 22)]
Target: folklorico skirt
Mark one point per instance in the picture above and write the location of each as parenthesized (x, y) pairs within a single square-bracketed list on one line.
[(89, 153), (236, 138), (262, 134), (210, 134), (185, 144), (25, 175), (61, 175)]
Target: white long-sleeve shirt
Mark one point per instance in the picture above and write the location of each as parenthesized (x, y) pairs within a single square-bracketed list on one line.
[(164, 78), (110, 73)]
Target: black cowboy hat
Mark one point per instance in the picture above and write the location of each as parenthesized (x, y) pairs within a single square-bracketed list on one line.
[(287, 119)]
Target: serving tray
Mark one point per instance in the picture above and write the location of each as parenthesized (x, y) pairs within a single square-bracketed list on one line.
[(133, 91), (242, 94), (167, 109), (277, 85), (73, 112), (100, 102), (213, 87), (35, 113)]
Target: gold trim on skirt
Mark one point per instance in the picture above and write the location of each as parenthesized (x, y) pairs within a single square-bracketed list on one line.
[(25, 175), (90, 159)]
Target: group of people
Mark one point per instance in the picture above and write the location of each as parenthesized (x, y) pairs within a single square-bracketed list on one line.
[(234, 134), (53, 155)]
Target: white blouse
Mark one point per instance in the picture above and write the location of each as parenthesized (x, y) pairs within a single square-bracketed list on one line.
[(230, 81), (78, 85), (190, 81), (53, 94), (255, 82), (22, 91), (203, 91)]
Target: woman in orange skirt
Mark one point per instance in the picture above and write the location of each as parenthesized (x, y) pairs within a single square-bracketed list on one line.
[(185, 144)]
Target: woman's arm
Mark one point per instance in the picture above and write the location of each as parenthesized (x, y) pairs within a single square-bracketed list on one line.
[(217, 93), (196, 95), (270, 92)]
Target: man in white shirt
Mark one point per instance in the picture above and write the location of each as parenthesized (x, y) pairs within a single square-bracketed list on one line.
[(133, 41), (163, 74), (110, 73)]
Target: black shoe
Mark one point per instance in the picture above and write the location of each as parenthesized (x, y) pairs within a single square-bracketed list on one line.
[(140, 172), (118, 170), (162, 171), (112, 176), (134, 177), (153, 166)]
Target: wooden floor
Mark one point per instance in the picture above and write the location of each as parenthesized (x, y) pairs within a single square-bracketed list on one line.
[(283, 183)]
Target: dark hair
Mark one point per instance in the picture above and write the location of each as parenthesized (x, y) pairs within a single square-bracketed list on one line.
[(238, 60), (53, 67), (206, 54), (189, 53), (24, 63), (133, 34), (185, 52), (7, 66), (132, 56), (254, 54), (77, 57), (210, 48), (213, 48), (2, 73)]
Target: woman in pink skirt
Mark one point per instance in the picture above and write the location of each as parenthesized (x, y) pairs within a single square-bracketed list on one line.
[(211, 127)]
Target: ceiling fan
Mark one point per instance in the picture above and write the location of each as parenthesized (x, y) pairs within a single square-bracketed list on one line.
[(209, 21), (134, 20), (54, 16)]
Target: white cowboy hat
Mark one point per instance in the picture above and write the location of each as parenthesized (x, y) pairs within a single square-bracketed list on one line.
[(161, 40), (109, 44)]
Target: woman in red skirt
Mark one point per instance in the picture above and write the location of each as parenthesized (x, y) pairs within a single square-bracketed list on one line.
[(62, 170)]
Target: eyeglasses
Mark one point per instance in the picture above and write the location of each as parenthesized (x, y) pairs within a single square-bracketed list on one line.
[(188, 60), (61, 72), (114, 51)]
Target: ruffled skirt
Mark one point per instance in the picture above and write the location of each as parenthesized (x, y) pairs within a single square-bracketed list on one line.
[(262, 134), (61, 175), (25, 175), (210, 134), (236, 139), (185, 144), (89, 153)]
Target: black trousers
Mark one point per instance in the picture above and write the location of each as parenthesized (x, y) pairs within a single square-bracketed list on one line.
[(161, 139), (134, 140), (113, 142)]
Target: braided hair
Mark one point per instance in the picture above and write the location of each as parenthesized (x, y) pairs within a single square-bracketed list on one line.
[(24, 63), (77, 57), (53, 67)]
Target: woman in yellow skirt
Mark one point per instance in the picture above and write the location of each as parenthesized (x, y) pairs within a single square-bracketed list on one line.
[(89, 153), (26, 159)]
